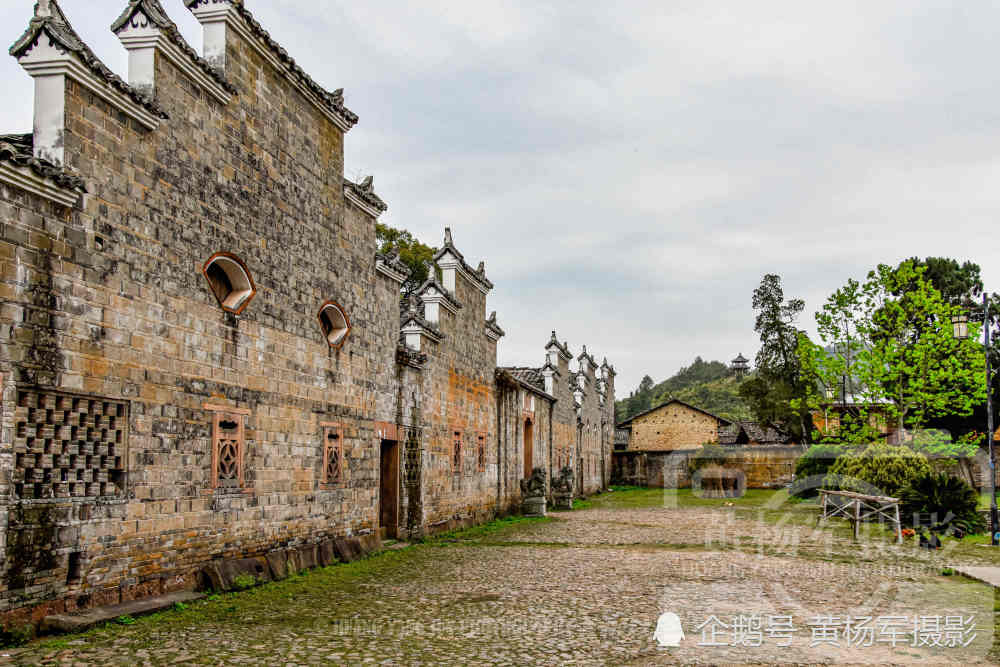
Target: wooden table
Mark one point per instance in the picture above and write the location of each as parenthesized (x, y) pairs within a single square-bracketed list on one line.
[(859, 507)]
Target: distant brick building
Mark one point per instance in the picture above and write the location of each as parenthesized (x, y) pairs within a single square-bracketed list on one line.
[(203, 357), (654, 448), (674, 425)]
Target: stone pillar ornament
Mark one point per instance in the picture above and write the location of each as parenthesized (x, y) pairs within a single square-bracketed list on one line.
[(533, 494), (562, 489)]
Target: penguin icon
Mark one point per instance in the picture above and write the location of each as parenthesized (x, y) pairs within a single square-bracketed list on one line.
[(668, 630)]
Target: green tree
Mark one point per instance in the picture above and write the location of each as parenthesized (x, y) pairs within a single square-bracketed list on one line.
[(416, 255), (903, 358), (777, 393)]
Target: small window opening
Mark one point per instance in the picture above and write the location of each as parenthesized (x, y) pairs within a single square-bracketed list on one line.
[(73, 568), (230, 281), (334, 324)]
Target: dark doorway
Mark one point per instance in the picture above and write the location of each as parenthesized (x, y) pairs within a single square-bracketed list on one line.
[(529, 447), (388, 500)]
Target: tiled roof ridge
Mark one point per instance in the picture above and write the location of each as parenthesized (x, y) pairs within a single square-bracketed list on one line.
[(432, 281), (50, 18), (393, 261), (449, 245), (491, 323), (333, 100), (154, 10), (19, 150), (366, 192)]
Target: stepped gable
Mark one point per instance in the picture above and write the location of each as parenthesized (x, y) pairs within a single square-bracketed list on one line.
[(334, 100), (49, 19), (154, 12), (477, 274)]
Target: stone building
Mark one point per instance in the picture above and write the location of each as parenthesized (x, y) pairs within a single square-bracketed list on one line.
[(655, 447), (204, 360)]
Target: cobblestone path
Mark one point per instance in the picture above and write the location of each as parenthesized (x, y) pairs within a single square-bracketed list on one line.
[(584, 587)]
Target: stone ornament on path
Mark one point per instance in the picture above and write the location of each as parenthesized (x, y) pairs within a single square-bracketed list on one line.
[(533, 493), (562, 489), (669, 632)]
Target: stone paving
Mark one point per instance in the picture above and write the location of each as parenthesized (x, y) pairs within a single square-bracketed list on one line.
[(584, 588)]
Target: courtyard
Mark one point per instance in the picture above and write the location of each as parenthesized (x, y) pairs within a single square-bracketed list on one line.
[(753, 581)]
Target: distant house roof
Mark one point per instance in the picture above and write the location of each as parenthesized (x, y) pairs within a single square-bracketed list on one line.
[(532, 376), (629, 421), (750, 432)]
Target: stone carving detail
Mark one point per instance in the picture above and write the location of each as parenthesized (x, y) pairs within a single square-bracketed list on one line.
[(412, 456), (333, 454), (533, 492), (562, 489), (227, 451), (68, 446)]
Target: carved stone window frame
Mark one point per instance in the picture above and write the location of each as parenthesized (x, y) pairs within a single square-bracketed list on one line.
[(235, 269), (234, 437), (335, 333), (332, 448), (456, 452)]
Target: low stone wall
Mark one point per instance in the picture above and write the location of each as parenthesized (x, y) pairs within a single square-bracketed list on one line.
[(764, 466)]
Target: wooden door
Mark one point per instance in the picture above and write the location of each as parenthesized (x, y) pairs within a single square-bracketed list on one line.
[(389, 489)]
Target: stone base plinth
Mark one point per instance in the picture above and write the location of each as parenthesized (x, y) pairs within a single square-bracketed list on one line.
[(534, 507)]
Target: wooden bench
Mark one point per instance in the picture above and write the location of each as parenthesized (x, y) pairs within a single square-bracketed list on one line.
[(859, 507)]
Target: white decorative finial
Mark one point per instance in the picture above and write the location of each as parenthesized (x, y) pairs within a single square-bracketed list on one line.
[(447, 236), (43, 9)]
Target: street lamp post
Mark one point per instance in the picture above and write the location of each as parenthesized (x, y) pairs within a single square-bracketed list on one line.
[(960, 324)]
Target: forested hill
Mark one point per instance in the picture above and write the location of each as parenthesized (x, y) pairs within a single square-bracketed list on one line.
[(708, 385)]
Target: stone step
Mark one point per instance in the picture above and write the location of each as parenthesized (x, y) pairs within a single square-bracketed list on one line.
[(61, 623)]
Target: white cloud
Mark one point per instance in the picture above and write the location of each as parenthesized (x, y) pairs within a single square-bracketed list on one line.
[(629, 171)]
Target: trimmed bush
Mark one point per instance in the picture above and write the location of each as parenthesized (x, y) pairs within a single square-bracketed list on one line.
[(938, 500), (879, 470), (813, 465)]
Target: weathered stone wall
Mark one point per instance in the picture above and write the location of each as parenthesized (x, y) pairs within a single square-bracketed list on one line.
[(460, 402), (109, 302), (591, 454), (520, 407), (764, 467), (672, 427), (147, 430)]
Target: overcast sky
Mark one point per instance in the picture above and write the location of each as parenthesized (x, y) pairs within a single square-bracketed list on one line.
[(630, 170)]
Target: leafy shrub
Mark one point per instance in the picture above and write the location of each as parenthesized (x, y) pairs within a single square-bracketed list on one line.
[(15, 636), (879, 469), (950, 500), (811, 466), (241, 582)]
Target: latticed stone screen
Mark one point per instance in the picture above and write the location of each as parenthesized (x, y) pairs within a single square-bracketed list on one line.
[(412, 456), (68, 446), (227, 450), (333, 453)]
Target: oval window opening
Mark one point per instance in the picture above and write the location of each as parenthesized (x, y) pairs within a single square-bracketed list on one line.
[(230, 281), (334, 323)]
